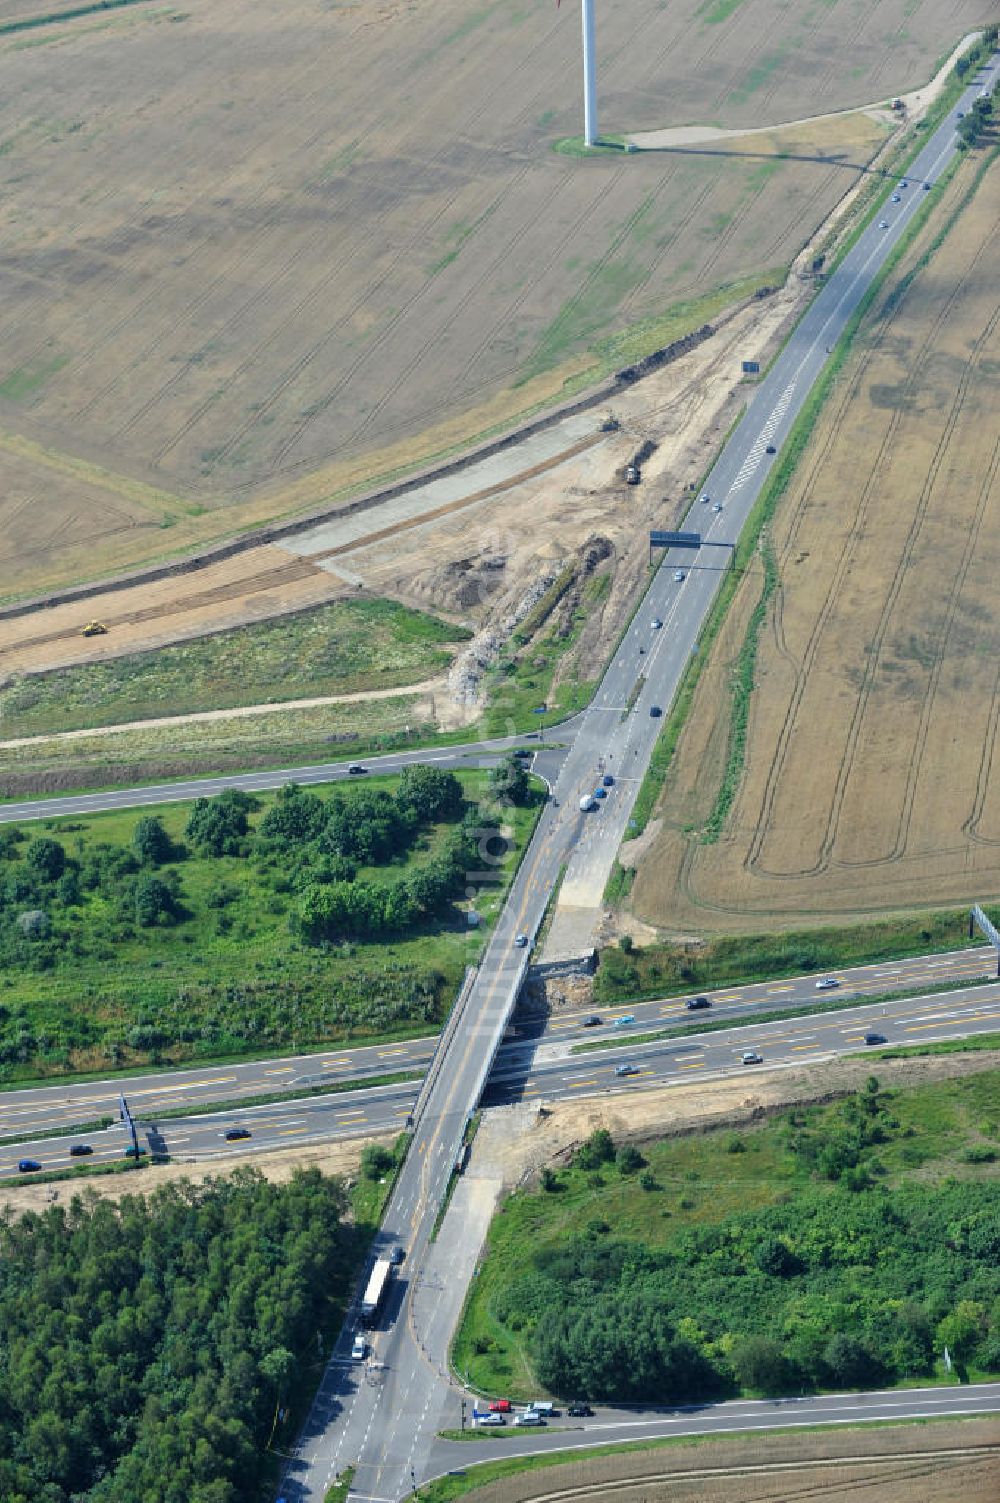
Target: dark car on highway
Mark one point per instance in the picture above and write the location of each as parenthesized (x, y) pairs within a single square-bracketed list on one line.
[(655, 711), (693, 1004), (579, 1411), (80, 1150), (234, 1134), (875, 1038), (355, 768), (592, 1022)]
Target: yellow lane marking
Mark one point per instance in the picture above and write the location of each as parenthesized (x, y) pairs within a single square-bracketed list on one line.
[(289, 1132), (352, 1118), (285, 1070), (699, 1064), (185, 1085), (772, 989), (576, 1084)]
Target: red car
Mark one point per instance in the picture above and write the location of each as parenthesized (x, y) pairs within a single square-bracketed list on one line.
[(500, 1406)]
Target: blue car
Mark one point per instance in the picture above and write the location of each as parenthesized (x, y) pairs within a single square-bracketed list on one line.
[(600, 793), (624, 1020)]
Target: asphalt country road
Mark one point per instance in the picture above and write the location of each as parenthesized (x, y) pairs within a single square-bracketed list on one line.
[(613, 1427)]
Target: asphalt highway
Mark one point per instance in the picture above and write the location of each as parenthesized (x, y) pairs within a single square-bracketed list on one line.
[(43, 1109), (544, 1072), (386, 1425)]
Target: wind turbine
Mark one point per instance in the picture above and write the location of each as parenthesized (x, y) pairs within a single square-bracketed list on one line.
[(589, 74)]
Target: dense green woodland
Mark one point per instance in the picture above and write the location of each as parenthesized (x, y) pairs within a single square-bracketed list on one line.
[(839, 1260), (240, 922), (147, 1344)]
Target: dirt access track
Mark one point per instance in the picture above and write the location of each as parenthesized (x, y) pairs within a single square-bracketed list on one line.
[(255, 257), (871, 771)]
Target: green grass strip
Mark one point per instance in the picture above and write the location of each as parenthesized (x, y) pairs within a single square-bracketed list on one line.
[(30, 23), (458, 1484), (743, 687)]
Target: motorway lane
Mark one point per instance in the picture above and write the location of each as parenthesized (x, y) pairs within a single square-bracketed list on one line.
[(70, 1103), (734, 484), (789, 1044), (322, 1119), (542, 1071), (386, 1428), (543, 1065), (611, 1427), (476, 753), (38, 1109)]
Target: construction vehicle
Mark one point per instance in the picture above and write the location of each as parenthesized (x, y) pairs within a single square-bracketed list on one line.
[(632, 474), (609, 423), (94, 629)]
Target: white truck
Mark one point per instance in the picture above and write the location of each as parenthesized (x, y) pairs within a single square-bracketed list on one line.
[(375, 1290), (588, 802)]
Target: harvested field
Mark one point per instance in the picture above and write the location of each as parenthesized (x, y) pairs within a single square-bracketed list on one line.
[(894, 1464), (870, 779), (254, 256)]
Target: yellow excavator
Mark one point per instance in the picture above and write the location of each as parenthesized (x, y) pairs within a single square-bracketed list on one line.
[(94, 629)]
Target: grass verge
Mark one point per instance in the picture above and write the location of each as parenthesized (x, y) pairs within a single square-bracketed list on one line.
[(667, 970)]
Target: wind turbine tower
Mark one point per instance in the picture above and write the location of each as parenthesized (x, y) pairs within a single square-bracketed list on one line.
[(589, 75)]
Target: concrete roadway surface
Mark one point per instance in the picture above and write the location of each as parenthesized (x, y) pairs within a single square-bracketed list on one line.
[(552, 1073), (386, 1426), (540, 1070), (37, 1109), (612, 1426), (684, 588)]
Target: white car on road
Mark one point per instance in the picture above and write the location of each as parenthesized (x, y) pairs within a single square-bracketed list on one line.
[(827, 983)]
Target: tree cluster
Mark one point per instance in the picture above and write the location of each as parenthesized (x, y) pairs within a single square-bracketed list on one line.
[(855, 1287), (148, 1343)]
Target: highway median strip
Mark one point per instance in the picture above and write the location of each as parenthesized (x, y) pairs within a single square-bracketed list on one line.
[(843, 1003), (217, 1108)]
